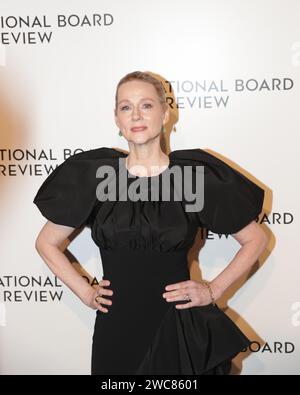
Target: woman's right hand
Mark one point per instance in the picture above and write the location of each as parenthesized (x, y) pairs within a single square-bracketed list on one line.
[(98, 292)]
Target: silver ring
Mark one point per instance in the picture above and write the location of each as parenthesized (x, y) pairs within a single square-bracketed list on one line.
[(187, 297)]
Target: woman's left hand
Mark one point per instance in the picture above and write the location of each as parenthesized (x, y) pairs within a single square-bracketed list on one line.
[(197, 292)]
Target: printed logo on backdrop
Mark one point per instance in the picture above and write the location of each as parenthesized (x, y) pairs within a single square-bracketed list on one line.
[(272, 347), (207, 94), (38, 29), (23, 288), (32, 162), (31, 289)]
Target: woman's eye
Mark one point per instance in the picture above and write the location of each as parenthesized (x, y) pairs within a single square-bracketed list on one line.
[(145, 105)]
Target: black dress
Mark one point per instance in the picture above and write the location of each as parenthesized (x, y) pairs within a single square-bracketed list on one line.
[(143, 247)]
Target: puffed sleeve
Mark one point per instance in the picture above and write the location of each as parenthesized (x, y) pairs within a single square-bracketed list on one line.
[(231, 200), (68, 195)]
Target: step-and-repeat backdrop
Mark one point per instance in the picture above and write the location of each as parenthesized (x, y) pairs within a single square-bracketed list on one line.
[(234, 70)]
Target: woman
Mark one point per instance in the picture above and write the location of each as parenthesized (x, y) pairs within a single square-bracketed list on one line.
[(151, 317)]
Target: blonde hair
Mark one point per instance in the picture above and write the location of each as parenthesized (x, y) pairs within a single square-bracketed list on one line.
[(145, 77)]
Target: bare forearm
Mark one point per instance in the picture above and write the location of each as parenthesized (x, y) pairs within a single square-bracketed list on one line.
[(240, 264), (60, 265)]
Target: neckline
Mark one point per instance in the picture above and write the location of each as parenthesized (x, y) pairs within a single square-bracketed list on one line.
[(148, 177)]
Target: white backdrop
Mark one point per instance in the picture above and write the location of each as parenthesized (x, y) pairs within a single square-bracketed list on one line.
[(57, 87)]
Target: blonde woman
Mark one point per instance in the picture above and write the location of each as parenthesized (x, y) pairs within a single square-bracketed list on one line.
[(151, 318)]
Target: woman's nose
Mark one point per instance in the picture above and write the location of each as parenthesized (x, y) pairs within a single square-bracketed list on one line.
[(136, 114)]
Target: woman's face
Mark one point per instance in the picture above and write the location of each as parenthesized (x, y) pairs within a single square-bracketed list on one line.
[(139, 113)]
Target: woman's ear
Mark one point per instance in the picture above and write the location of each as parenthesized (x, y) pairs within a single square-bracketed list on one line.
[(166, 116)]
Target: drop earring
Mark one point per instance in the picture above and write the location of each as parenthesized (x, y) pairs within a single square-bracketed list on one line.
[(120, 133)]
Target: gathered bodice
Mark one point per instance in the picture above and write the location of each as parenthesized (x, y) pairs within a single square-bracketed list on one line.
[(69, 196)]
